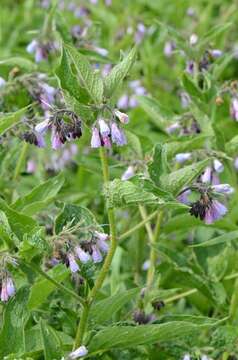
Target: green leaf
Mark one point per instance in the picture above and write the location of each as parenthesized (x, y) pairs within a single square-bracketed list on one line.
[(42, 288), (119, 72), (90, 79), (10, 119), (6, 233), (134, 144), (195, 142), (15, 316), (178, 179), (69, 81), (124, 193), (155, 112), (104, 310), (83, 111), (213, 33), (73, 215), (224, 238), (51, 342), (20, 224), (33, 244), (133, 336), (190, 87), (159, 165), (19, 62), (40, 196)]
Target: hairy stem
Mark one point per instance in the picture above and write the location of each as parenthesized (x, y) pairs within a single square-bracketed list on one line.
[(137, 227), (153, 252), (107, 263), (53, 281)]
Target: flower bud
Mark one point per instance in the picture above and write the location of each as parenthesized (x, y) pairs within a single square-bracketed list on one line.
[(128, 173), (182, 157), (223, 188), (218, 166), (124, 118), (80, 352)]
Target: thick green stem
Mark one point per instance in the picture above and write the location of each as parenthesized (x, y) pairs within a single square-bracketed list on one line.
[(137, 227), (153, 252), (106, 265)]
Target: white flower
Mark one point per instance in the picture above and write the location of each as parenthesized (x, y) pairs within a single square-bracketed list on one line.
[(223, 188), (80, 352), (218, 166), (193, 39), (2, 82), (42, 126), (128, 173), (104, 128), (124, 118), (182, 157)]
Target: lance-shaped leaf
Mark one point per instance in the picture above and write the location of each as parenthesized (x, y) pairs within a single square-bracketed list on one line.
[(124, 193), (69, 81), (9, 120), (178, 179), (51, 342), (20, 62), (159, 165), (74, 215), (15, 316), (195, 142), (105, 309), (89, 78), (119, 72), (157, 114), (20, 224), (221, 239), (40, 196), (133, 336)]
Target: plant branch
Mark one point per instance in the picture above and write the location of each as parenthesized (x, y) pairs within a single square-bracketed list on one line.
[(53, 281), (107, 263)]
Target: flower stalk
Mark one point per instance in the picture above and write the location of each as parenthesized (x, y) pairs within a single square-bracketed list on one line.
[(107, 263)]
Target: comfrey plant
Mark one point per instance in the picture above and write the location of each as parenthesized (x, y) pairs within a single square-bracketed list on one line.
[(118, 238)]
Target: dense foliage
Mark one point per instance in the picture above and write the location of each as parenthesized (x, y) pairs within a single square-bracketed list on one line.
[(118, 180)]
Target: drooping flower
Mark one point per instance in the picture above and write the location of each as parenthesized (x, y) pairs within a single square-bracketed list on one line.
[(183, 197), (106, 142), (34, 138), (96, 254), (190, 67), (8, 289), (101, 241), (223, 188), (130, 172), (42, 127), (2, 82), (95, 139), (56, 142), (218, 166), (117, 135), (215, 211), (169, 47), (234, 109), (193, 39), (123, 102), (207, 175), (80, 352), (236, 163), (182, 157), (216, 53), (173, 127), (72, 263), (83, 256), (124, 118), (103, 127), (31, 166), (208, 209)]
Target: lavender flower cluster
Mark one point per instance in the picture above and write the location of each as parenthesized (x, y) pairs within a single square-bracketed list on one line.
[(104, 133)]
